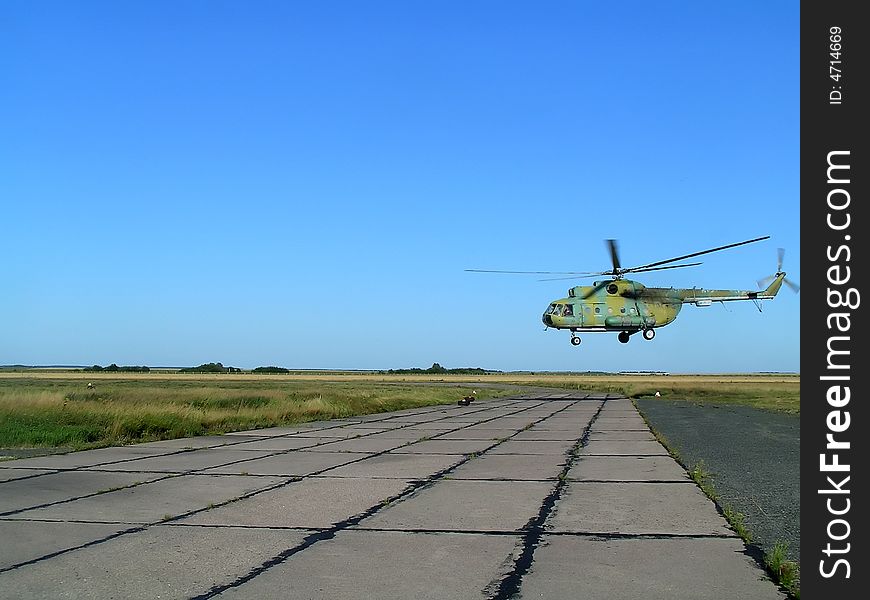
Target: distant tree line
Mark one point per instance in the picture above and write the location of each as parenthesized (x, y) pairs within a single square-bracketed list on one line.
[(437, 369), (270, 370), (210, 368), (113, 368)]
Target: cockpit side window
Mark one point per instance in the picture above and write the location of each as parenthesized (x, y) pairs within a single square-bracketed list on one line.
[(569, 310)]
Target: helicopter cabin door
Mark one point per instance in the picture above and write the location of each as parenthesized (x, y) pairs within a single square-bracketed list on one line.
[(599, 312)]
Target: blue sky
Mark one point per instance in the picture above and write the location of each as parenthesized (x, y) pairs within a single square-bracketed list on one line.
[(303, 184)]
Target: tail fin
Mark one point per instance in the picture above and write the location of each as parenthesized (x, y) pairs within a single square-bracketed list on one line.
[(773, 288)]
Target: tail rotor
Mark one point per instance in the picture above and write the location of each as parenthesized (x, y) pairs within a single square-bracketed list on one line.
[(780, 255)]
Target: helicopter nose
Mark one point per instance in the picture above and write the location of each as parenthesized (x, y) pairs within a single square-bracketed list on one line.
[(547, 319)]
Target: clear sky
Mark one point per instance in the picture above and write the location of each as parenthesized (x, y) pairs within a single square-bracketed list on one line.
[(302, 184)]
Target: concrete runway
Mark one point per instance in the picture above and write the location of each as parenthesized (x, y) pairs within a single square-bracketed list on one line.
[(561, 495)]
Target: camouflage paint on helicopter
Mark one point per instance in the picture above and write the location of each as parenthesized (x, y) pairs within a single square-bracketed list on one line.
[(625, 306)]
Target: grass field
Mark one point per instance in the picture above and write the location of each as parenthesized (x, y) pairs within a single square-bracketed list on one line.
[(57, 409)]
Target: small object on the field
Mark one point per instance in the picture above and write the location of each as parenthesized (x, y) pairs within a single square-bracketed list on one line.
[(466, 401), (658, 394), (90, 386)]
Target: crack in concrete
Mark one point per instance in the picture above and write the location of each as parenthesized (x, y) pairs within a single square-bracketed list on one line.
[(509, 585), (330, 533)]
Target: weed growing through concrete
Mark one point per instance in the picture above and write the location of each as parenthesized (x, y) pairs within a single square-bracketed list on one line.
[(701, 476), (736, 520), (785, 571)]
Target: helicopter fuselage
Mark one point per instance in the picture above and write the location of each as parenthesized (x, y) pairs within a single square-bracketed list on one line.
[(628, 306)]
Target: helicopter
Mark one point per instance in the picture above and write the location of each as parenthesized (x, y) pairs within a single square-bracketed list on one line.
[(627, 307)]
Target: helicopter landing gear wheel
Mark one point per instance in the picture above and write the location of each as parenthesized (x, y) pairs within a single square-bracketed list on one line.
[(623, 337), (575, 340), (649, 334)]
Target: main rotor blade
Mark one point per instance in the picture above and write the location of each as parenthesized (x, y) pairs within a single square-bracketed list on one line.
[(532, 272), (601, 285), (642, 270), (662, 262), (614, 255), (576, 276), (637, 270)]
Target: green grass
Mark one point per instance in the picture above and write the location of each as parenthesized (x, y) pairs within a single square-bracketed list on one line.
[(774, 395), (37, 412), (785, 570)]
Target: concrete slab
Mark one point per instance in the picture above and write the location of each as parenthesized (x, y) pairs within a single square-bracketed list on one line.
[(55, 487), (311, 502), (408, 434), (34, 539), (276, 443), (368, 428), (205, 441), (614, 403), (514, 446), (477, 434), (633, 435), (446, 424), (512, 467), (574, 426), (454, 505), (398, 466), (508, 411), (324, 437), (617, 423), (604, 446), (292, 464), (645, 569), (536, 434), (161, 562), (334, 433), (366, 444), (618, 408), (515, 423), (636, 508), (405, 419), (440, 426), (445, 447), (270, 431), (387, 566), (153, 502), (183, 462), (627, 468), (10, 474), (87, 458)]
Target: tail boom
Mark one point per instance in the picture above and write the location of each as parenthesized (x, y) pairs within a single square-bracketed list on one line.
[(702, 297)]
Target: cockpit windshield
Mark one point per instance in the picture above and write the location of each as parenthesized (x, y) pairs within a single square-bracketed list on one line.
[(561, 310)]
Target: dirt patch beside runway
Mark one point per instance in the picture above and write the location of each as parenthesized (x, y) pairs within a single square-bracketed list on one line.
[(753, 456)]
